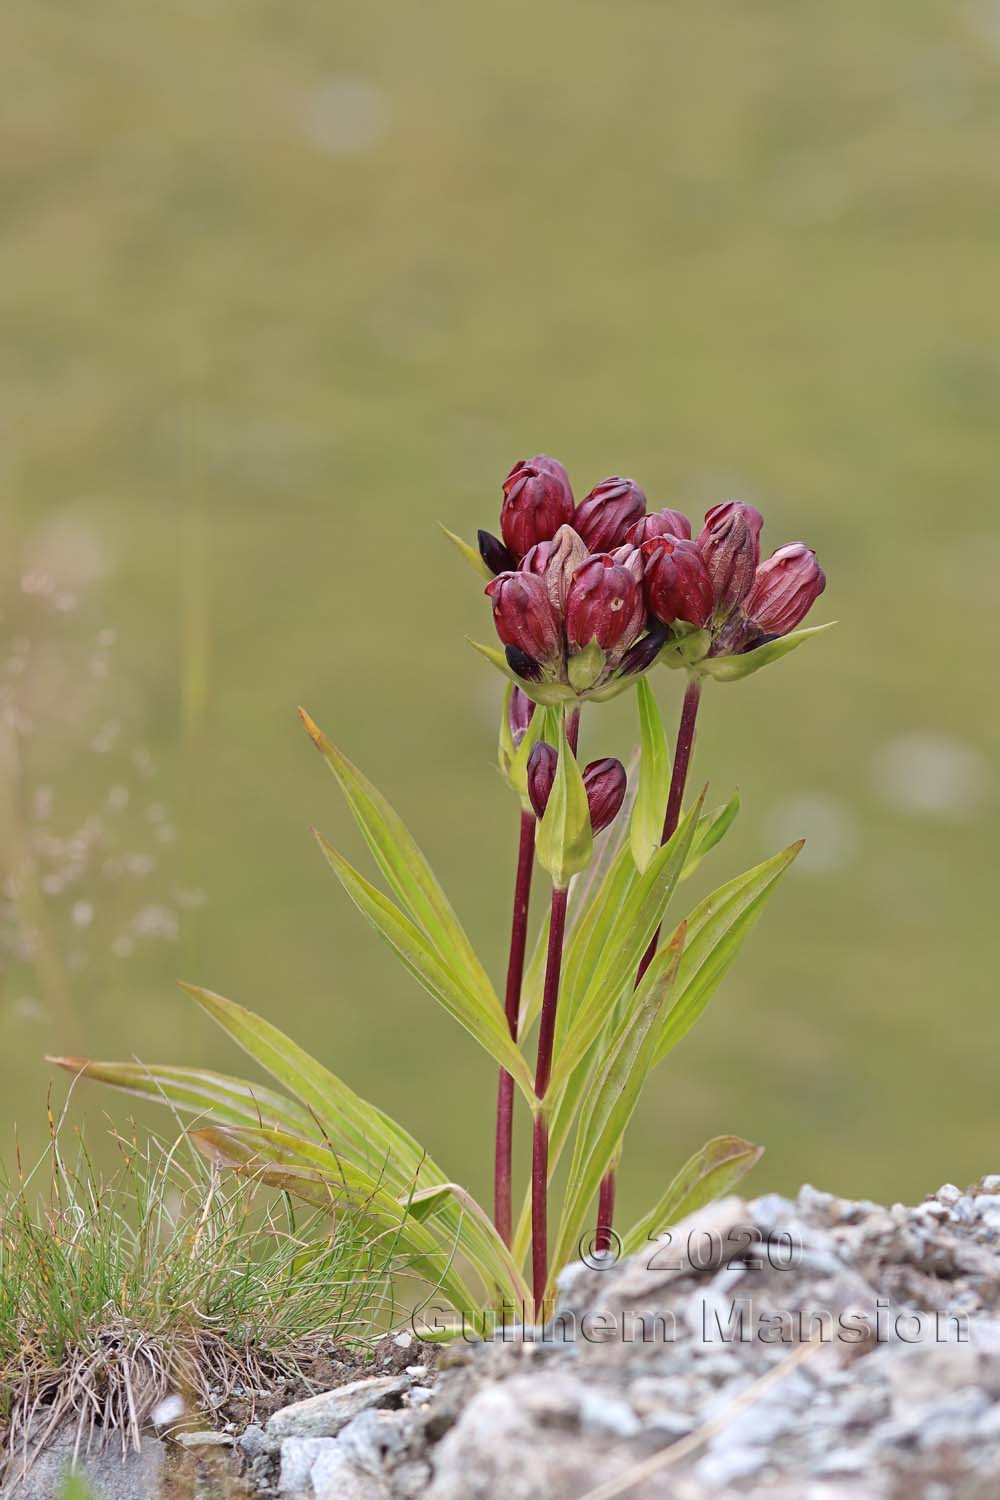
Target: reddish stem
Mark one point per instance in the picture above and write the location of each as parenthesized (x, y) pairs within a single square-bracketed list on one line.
[(539, 1210), (675, 802), (502, 1212)]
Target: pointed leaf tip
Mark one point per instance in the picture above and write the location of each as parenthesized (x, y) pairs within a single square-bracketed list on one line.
[(312, 728)]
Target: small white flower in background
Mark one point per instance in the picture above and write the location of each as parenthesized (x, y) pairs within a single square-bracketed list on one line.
[(932, 774)]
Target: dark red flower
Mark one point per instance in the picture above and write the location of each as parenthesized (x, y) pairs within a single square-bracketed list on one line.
[(730, 545), (659, 523), (605, 605), (520, 712), (608, 513), (524, 617), (785, 588), (676, 581), (542, 764), (537, 501)]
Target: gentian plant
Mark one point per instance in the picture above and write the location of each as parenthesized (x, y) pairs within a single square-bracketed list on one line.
[(587, 599)]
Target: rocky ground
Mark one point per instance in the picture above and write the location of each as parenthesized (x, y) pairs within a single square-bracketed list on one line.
[(818, 1348)]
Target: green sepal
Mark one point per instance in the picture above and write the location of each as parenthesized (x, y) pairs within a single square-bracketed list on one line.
[(733, 668), (471, 554), (548, 693), (565, 840), (586, 667), (688, 646), (646, 827)]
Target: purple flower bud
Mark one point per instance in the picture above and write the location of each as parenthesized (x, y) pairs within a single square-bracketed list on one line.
[(643, 654), (605, 781), (537, 501), (522, 664), (730, 545), (608, 513), (555, 562), (784, 589), (605, 605), (523, 616), (542, 764), (497, 557), (676, 581), (659, 523), (520, 711)]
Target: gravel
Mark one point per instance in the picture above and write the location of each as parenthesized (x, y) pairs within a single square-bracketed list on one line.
[(819, 1347)]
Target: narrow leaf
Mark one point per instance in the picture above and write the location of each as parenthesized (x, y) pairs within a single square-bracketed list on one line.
[(711, 830), (615, 1094), (404, 866), (646, 828), (481, 1017), (215, 1095), (708, 1174), (493, 1260), (733, 668), (716, 929), (471, 554)]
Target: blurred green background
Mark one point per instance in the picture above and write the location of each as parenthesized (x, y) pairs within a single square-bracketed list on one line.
[(282, 287)]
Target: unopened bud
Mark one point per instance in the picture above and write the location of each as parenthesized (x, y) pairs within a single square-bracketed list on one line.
[(608, 513), (523, 615), (730, 545), (555, 562), (537, 501), (784, 589), (659, 523), (605, 604), (520, 711), (604, 782), (542, 763), (676, 581), (497, 557)]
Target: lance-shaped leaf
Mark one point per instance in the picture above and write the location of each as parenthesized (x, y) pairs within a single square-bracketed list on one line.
[(641, 915), (471, 554), (564, 841), (217, 1096), (733, 668), (716, 929), (708, 1174), (295, 1165), (479, 1238), (615, 1094), (711, 830), (646, 828), (480, 1015), (351, 1124), (397, 855)]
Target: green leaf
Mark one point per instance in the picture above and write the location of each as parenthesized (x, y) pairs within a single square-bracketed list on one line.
[(733, 668), (708, 1174), (615, 1094), (716, 929), (313, 1172), (493, 1260), (646, 828), (480, 1015), (565, 841), (471, 554), (397, 855), (214, 1095), (639, 918), (711, 830), (347, 1121)]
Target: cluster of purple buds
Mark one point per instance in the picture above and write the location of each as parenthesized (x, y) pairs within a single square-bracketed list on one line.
[(613, 580), (604, 782)]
